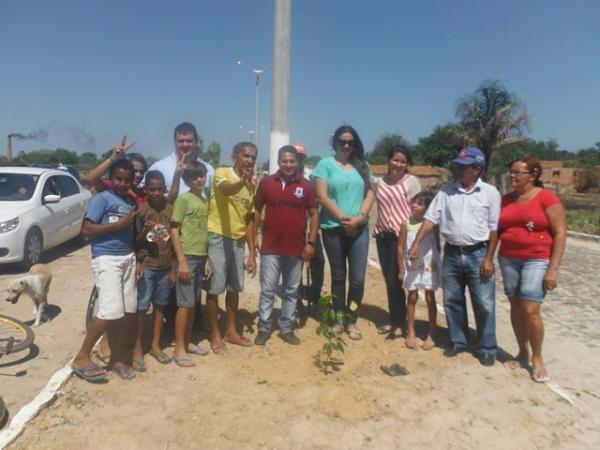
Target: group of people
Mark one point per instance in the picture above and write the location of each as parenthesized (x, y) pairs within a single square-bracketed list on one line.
[(183, 225)]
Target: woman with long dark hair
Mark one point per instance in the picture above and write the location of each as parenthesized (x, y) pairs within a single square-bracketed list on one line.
[(393, 195), (346, 195), (533, 235)]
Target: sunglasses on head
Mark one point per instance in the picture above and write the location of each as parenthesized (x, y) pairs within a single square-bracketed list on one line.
[(343, 142)]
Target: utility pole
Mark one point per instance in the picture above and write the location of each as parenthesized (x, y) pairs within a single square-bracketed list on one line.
[(280, 98)]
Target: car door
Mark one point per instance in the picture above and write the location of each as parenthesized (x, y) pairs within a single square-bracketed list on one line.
[(72, 204), (53, 221)]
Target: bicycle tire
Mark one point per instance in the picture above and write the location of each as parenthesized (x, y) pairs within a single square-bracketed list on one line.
[(12, 329), (3, 413), (91, 308)]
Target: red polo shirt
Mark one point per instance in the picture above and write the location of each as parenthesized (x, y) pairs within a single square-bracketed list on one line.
[(287, 204)]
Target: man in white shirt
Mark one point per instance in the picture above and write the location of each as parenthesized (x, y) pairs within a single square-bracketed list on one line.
[(467, 213), (186, 145)]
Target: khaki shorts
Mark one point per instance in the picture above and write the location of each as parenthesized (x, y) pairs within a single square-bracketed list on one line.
[(115, 281), (226, 257)]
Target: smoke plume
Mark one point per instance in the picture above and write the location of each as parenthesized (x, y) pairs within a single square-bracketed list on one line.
[(74, 133)]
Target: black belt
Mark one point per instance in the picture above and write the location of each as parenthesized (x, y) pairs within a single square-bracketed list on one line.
[(468, 248)]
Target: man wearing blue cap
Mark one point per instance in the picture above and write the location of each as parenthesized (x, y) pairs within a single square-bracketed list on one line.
[(467, 212)]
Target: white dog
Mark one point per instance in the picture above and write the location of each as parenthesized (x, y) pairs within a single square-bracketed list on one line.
[(36, 284)]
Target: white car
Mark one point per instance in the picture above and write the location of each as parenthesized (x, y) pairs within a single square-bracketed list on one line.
[(40, 208)]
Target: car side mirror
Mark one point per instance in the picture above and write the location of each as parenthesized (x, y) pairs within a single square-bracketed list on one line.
[(51, 198)]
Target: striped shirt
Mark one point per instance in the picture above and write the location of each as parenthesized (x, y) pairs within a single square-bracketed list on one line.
[(393, 204)]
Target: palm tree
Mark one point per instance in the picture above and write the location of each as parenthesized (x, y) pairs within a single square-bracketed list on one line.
[(492, 118)]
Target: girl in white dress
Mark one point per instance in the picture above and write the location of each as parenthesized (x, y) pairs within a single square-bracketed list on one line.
[(422, 273)]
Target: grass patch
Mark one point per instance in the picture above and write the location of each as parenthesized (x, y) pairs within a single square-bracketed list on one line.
[(584, 220)]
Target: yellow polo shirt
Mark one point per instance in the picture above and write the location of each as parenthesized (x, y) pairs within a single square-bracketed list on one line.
[(227, 213)]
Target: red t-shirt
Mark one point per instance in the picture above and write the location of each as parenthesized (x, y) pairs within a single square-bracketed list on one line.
[(524, 228), (135, 194), (284, 225)]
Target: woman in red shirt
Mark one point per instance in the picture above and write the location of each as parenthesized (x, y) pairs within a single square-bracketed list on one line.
[(533, 236)]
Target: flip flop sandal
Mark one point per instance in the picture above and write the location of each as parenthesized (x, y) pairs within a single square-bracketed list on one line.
[(161, 357), (104, 359), (139, 365), (395, 370), (184, 362), (337, 329), (513, 364), (384, 329), (197, 350), (354, 334), (91, 373), (124, 372), (244, 342), (218, 349), (539, 378)]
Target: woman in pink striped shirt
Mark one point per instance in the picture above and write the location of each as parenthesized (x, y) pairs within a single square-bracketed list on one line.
[(394, 191)]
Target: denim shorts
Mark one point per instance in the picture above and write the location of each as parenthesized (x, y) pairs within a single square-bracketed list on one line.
[(524, 278), (153, 288), (188, 294), (226, 257)]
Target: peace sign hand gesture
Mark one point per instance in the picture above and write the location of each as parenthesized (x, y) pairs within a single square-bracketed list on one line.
[(119, 150)]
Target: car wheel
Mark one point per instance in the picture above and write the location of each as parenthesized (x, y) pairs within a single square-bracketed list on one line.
[(33, 249)]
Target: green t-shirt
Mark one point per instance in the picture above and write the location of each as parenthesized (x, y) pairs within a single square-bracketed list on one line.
[(345, 188), (191, 212)]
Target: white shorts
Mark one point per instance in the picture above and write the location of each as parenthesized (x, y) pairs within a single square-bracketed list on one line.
[(417, 279), (115, 281)]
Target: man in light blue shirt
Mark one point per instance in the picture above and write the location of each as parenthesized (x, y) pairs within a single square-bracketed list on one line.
[(186, 144), (467, 212)]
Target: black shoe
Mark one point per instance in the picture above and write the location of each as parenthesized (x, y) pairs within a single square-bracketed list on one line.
[(261, 338), (453, 351), (290, 338), (487, 359)]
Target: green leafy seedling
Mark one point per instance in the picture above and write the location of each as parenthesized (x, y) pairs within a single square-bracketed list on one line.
[(333, 342)]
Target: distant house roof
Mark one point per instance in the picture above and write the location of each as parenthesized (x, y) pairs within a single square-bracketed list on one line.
[(551, 164), (418, 171)]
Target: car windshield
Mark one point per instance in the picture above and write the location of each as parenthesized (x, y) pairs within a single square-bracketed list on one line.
[(17, 187)]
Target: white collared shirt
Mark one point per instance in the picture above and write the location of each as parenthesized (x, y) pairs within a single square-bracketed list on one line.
[(167, 166), (465, 218)]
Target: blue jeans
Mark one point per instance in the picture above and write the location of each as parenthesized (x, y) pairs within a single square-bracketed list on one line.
[(459, 270), (353, 250), (273, 267)]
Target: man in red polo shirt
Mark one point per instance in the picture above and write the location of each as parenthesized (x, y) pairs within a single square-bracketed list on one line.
[(287, 198)]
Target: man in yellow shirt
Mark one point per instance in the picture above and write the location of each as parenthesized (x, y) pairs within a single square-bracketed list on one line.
[(229, 225)]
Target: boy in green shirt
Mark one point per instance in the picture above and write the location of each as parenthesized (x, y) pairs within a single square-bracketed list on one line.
[(189, 236)]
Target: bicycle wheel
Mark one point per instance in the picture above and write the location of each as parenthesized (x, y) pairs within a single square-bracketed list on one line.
[(15, 336), (91, 308), (3, 413)]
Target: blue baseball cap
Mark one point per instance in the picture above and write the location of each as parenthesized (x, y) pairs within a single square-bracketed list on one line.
[(470, 156)]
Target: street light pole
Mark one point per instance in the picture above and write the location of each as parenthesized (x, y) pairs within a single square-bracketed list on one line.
[(280, 99), (257, 73)]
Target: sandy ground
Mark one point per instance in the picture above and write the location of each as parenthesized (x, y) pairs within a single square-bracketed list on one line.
[(276, 396)]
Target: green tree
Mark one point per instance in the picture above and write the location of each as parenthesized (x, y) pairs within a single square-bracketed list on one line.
[(492, 117), (386, 141), (65, 156), (212, 154), (590, 156), (442, 145), (542, 150), (88, 160), (312, 160)]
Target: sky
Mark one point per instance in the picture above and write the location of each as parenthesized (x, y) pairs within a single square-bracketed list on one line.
[(81, 74)]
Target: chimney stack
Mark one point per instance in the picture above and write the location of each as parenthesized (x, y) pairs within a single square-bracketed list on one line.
[(9, 153)]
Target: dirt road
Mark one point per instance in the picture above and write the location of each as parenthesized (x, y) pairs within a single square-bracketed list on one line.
[(275, 396)]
